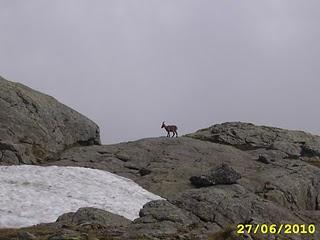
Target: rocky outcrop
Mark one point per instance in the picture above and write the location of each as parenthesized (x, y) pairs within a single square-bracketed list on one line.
[(248, 136), (231, 204), (92, 216), (220, 175), (35, 127), (161, 219)]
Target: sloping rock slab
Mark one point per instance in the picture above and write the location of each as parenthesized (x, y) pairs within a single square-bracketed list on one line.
[(35, 127)]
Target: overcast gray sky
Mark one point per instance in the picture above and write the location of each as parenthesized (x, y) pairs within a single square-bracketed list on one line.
[(129, 65)]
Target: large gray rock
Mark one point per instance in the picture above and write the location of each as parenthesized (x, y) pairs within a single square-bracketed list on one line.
[(221, 175), (90, 215), (161, 219), (231, 204), (248, 136), (35, 127)]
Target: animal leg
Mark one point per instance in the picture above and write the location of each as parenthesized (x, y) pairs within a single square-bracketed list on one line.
[(173, 133), (176, 133)]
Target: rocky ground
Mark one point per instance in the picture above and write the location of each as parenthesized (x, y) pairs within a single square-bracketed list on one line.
[(212, 179)]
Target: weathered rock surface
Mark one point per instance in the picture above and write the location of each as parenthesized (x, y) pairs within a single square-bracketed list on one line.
[(173, 161), (35, 127), (221, 175), (161, 219), (249, 136), (285, 190), (231, 204), (94, 216)]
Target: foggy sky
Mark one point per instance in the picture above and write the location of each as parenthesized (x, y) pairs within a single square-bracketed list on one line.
[(131, 64)]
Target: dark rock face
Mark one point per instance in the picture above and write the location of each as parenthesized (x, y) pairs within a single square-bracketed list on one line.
[(201, 181), (35, 126), (220, 175), (144, 171), (265, 159)]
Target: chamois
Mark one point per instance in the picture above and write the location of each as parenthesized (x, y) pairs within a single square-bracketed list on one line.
[(170, 128)]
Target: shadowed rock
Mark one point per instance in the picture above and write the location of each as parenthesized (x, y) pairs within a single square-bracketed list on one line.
[(220, 175), (265, 159), (144, 171)]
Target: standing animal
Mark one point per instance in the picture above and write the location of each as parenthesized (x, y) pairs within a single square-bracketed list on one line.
[(170, 128)]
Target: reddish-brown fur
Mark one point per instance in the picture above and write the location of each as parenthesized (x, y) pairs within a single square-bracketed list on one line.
[(170, 128)]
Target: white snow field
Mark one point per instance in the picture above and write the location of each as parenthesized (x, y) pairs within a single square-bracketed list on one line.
[(32, 194)]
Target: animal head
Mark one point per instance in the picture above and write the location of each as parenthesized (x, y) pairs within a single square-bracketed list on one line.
[(163, 125)]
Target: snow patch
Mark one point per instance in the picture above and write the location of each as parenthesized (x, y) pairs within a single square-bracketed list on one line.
[(32, 194)]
